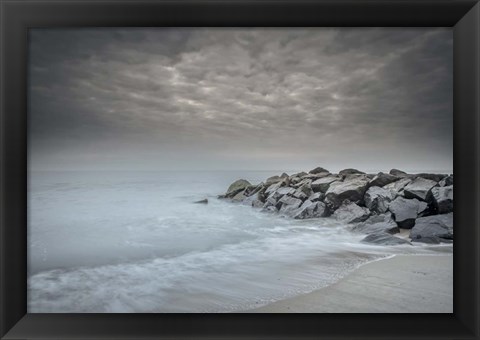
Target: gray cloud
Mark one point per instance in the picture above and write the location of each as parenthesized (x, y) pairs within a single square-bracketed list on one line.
[(240, 98)]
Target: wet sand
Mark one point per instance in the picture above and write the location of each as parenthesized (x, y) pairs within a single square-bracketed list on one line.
[(402, 284)]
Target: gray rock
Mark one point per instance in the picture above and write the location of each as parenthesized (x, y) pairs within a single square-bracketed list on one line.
[(433, 177), (253, 189), (382, 179), (377, 223), (204, 201), (350, 171), (310, 209), (236, 187), (351, 213), (444, 219), (322, 184), (384, 239), (300, 174), (378, 199), (289, 200), (316, 196), (446, 181), (284, 175), (318, 170), (273, 198), (355, 176), (285, 191), (405, 211), (273, 201), (306, 189), (419, 188), (256, 200), (398, 173), (273, 179), (352, 189), (289, 204), (436, 227), (302, 182), (423, 209), (443, 199), (294, 180), (239, 197), (300, 195), (427, 239), (273, 187), (397, 187), (314, 177)]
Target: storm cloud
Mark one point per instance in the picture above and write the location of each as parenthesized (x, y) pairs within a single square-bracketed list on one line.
[(204, 99)]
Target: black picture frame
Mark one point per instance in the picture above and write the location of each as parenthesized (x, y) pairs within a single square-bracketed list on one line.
[(17, 16)]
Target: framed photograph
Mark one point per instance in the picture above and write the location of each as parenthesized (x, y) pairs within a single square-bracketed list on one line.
[(240, 169)]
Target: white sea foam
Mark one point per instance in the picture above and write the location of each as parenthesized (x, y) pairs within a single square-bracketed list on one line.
[(135, 242)]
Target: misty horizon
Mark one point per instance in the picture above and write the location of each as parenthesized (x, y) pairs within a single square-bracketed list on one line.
[(172, 99)]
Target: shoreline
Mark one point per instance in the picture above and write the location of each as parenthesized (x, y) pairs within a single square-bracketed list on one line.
[(397, 284)]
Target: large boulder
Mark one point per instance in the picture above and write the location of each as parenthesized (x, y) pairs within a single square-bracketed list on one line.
[(352, 189), (274, 187), (289, 204), (405, 211), (284, 191), (419, 188), (304, 191), (384, 239), (350, 171), (239, 197), (398, 173), (322, 184), (351, 213), (253, 189), (301, 182), (433, 177), (318, 170), (273, 200), (236, 187), (446, 181), (396, 188), (382, 179), (274, 179), (443, 199), (377, 223), (294, 180), (433, 229), (423, 209), (310, 209), (316, 176), (378, 199), (316, 196), (300, 174), (300, 194), (274, 196)]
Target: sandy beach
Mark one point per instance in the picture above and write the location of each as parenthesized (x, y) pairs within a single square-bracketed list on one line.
[(401, 284)]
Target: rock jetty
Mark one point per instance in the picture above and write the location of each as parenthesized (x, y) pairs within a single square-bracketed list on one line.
[(378, 205)]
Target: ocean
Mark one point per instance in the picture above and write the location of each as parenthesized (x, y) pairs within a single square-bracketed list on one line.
[(134, 242)]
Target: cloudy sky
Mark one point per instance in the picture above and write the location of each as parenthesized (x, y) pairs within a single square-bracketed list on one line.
[(204, 99)]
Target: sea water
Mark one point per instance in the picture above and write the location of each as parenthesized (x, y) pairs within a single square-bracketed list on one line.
[(131, 242)]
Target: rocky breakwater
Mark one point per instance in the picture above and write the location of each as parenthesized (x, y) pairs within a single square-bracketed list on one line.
[(378, 205)]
